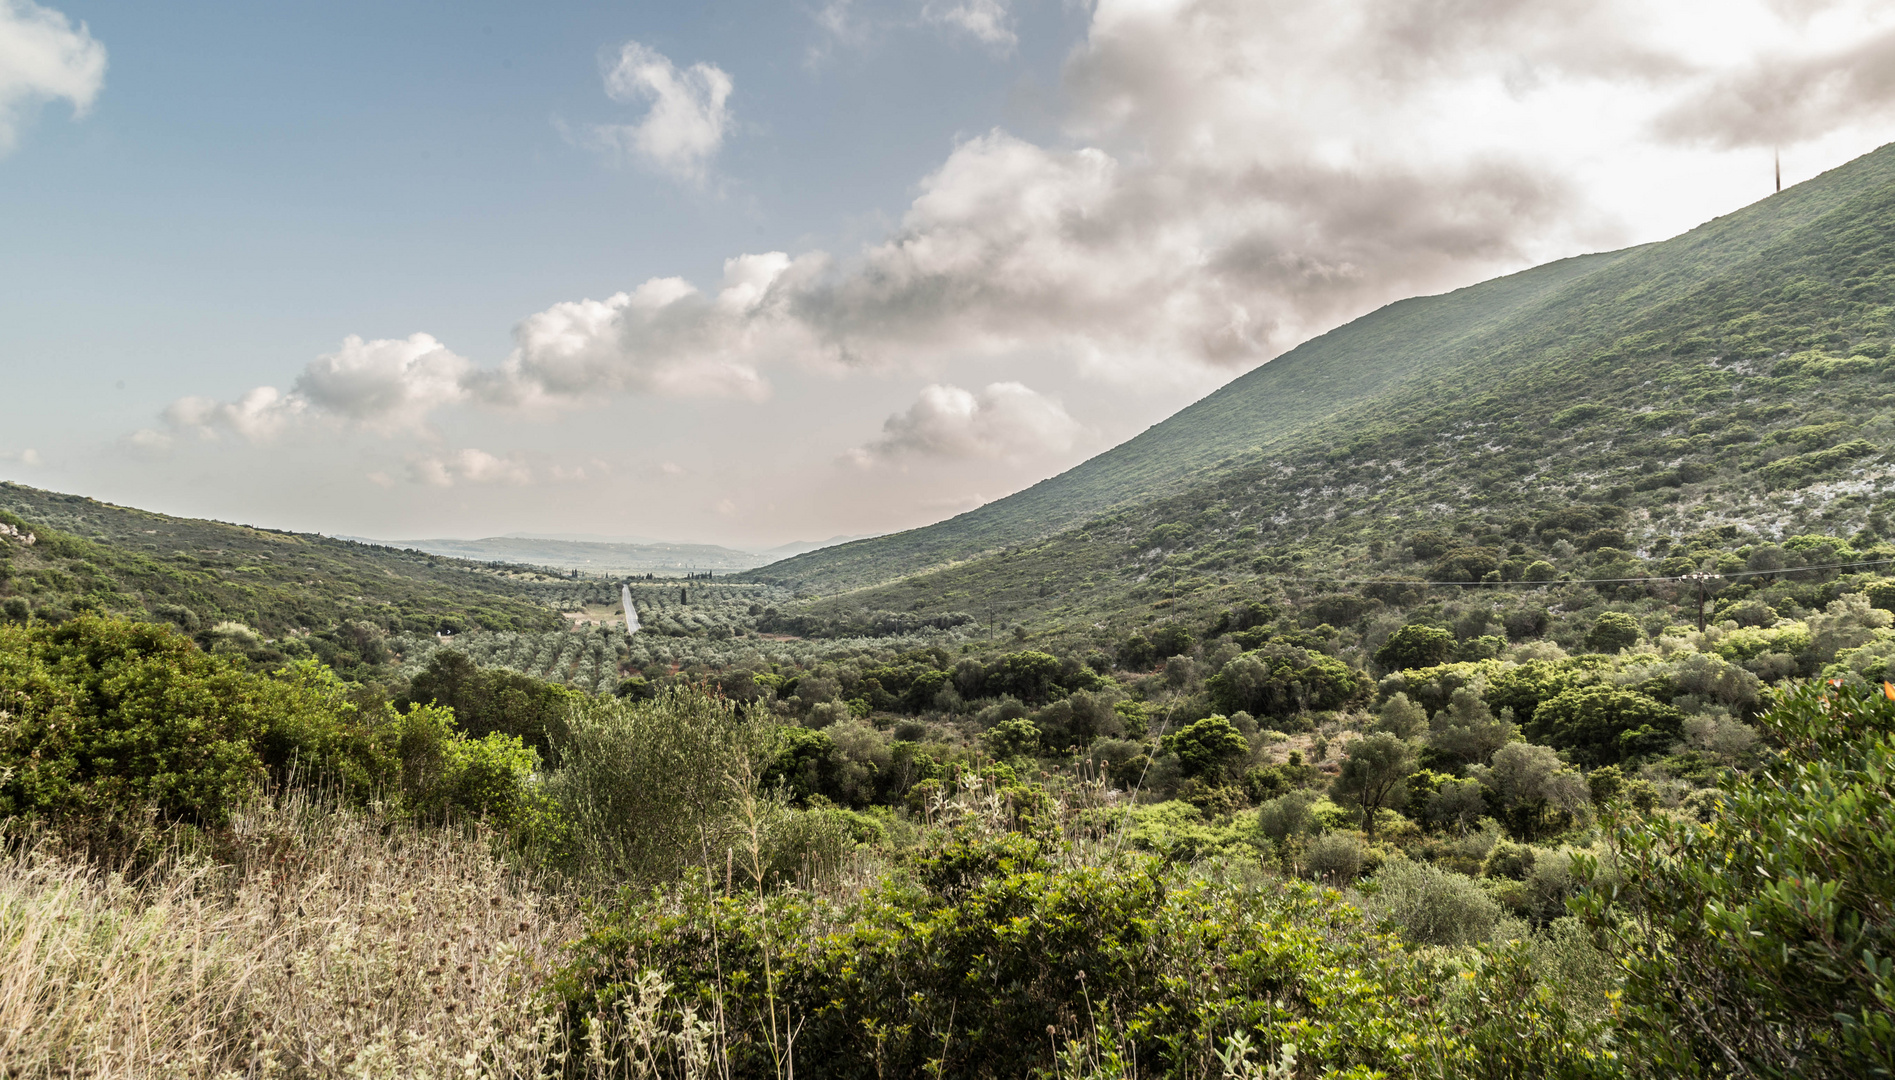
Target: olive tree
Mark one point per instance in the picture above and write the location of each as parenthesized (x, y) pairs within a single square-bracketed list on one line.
[(1374, 776)]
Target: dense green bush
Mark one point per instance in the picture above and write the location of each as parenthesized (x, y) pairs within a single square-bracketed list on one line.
[(648, 786), (108, 717), (1760, 942), (496, 701), (1282, 680), (1208, 747), (1415, 646), (1602, 725), (1612, 631), (1013, 965), (1430, 906)]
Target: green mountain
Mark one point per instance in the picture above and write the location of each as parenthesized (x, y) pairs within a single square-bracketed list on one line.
[(87, 555), (1733, 376)]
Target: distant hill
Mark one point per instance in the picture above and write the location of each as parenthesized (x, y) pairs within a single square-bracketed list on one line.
[(1463, 400), (590, 556), (93, 556), (799, 547)]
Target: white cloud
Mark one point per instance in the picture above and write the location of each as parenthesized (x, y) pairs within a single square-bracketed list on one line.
[(664, 337), (469, 466), (388, 383), (688, 116), (43, 57), (1004, 420), (987, 21), (28, 457), (257, 416)]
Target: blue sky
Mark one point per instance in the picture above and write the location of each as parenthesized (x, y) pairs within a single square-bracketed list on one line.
[(754, 272)]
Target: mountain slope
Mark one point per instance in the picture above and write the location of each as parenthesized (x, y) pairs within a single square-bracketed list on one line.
[(94, 556), (1421, 350), (1736, 378)]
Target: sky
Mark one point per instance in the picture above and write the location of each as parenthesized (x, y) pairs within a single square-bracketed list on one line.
[(749, 273)]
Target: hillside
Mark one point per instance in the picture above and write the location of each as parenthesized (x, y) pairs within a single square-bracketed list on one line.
[(1425, 354), (94, 556), (1736, 378)]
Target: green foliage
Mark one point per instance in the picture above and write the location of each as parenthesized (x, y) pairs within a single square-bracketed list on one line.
[(1282, 680), (1603, 725), (1431, 906), (445, 776), (1023, 965), (1012, 738), (1180, 832), (489, 702), (1415, 646), (1208, 747), (1759, 942), (1612, 631), (1374, 776), (647, 786), (108, 717)]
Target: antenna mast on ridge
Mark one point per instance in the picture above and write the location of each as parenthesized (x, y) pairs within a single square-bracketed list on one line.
[(1779, 158)]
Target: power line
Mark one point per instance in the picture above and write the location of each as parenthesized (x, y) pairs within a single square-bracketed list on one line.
[(1573, 581)]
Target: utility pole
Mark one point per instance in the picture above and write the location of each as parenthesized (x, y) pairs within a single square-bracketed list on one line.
[(1700, 580)]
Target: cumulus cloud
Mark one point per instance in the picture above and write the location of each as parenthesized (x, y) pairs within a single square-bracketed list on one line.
[(28, 457), (1004, 420), (469, 466), (258, 415), (665, 337), (387, 385), (43, 57), (987, 21), (689, 111)]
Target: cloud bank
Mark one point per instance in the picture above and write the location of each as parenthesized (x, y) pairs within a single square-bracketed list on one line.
[(43, 57)]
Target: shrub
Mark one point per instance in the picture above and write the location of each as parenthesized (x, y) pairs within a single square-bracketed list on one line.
[(1208, 747), (444, 775), (648, 787), (1430, 906), (1286, 815), (1760, 938), (1509, 861), (1282, 680), (1603, 725), (1334, 857), (1415, 646), (1612, 631), (109, 717), (496, 701), (1012, 738), (1020, 967)]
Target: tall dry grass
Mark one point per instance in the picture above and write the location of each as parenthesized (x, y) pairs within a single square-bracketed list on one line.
[(322, 942)]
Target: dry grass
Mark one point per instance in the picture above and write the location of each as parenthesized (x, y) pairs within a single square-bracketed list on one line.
[(325, 943)]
